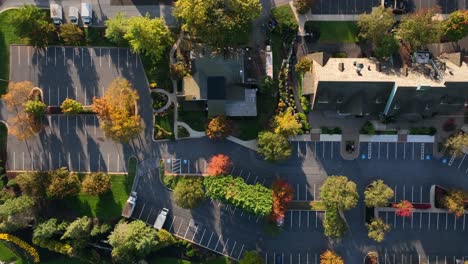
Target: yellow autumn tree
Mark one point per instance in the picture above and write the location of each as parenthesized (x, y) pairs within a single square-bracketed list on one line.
[(457, 142), (117, 111), (330, 257), (287, 124), (20, 126), (18, 94)]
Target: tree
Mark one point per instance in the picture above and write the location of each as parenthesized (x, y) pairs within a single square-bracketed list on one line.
[(48, 229), (273, 147), (218, 128), (386, 46), (217, 22), (16, 213), (403, 208), (218, 165), (251, 257), (456, 26), (456, 143), (134, 240), (282, 195), (178, 71), (17, 94), (377, 229), (286, 123), (377, 24), (334, 226), (303, 6), (116, 109), (33, 184), (63, 184), (454, 202), (303, 65), (96, 183), (339, 193), (20, 126), (377, 194), (79, 232), (189, 193), (116, 28), (71, 107), (419, 29), (33, 23), (266, 84), (147, 36), (330, 257), (35, 108), (71, 34)]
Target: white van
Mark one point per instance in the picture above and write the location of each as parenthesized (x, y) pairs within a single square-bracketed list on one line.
[(87, 13)]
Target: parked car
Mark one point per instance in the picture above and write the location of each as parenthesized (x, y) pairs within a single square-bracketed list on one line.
[(73, 15)]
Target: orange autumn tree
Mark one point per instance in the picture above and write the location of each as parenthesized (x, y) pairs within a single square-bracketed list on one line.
[(282, 195), (330, 257), (218, 165), (404, 208)]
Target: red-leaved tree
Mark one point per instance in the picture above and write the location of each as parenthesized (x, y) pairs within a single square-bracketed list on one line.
[(218, 165), (403, 208), (282, 195)]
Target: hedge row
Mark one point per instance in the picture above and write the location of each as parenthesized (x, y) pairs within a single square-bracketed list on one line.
[(255, 199)]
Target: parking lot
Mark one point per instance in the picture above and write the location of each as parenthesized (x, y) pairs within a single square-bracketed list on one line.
[(355, 7), (425, 221), (297, 220), (395, 151), (328, 150), (79, 73)]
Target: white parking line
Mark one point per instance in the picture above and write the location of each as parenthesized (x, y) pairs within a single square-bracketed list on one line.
[(210, 239), (323, 148), (64, 57), (19, 56), (446, 221), (331, 149), (82, 57), (420, 194), (396, 150), (186, 230), (23, 160), (127, 57), (242, 249), (151, 209), (233, 247), (225, 245), (203, 235), (404, 151), (109, 58), (412, 193), (387, 150), (27, 48), (316, 219), (291, 218), (219, 238), (412, 156), (118, 57), (308, 214), (459, 165), (172, 223), (437, 220), (142, 209)]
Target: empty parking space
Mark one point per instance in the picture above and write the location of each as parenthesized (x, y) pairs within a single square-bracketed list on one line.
[(412, 193), (326, 150), (296, 220), (426, 222), (291, 257), (192, 230), (80, 73), (396, 151)]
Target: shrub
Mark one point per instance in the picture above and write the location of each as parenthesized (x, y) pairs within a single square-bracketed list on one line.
[(377, 229), (305, 104), (189, 193), (377, 194), (35, 108), (422, 131), (218, 128), (71, 107), (96, 183), (330, 257), (334, 226), (303, 65), (368, 128), (255, 199), (273, 147), (282, 195), (403, 208)]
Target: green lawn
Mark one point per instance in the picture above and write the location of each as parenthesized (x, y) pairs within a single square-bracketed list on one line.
[(8, 256), (197, 120), (336, 31), (7, 37)]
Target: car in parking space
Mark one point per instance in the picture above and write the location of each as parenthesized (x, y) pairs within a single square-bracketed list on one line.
[(397, 6), (279, 259)]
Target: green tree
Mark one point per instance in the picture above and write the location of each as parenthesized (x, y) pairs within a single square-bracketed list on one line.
[(63, 184), (334, 226), (251, 257), (217, 22), (133, 241), (419, 29), (377, 229), (386, 46), (218, 128), (456, 26), (79, 232), (71, 34), (189, 193), (147, 36), (266, 84), (376, 25), (48, 229), (71, 107), (116, 28), (34, 24), (339, 193), (286, 123), (273, 147), (303, 65), (454, 202), (35, 108), (117, 111), (303, 6), (96, 183), (16, 213), (377, 194), (33, 184)]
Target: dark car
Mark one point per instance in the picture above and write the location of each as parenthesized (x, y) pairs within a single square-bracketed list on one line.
[(279, 259)]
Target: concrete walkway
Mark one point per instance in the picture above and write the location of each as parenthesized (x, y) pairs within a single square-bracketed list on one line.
[(251, 144), (171, 98), (174, 82), (193, 133)]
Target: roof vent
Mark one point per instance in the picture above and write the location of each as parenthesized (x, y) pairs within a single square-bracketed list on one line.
[(341, 66), (378, 67)]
